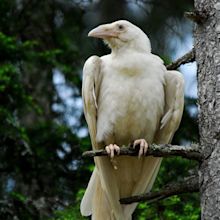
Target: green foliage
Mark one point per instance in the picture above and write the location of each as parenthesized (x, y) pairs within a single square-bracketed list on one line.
[(173, 208), (31, 135), (13, 97), (18, 196), (72, 212), (14, 51), (179, 207)]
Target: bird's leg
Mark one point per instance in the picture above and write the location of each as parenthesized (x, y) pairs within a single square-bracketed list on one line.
[(111, 148), (143, 146)]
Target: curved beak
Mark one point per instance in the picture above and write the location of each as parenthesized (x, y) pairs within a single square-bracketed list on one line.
[(103, 31)]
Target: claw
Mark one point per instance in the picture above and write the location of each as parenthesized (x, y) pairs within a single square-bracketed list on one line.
[(143, 146), (111, 150)]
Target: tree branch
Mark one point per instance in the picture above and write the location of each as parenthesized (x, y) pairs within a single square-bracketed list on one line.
[(197, 17), (162, 150), (187, 58), (190, 184)]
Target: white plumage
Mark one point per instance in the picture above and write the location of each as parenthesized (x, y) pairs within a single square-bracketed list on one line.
[(128, 95)]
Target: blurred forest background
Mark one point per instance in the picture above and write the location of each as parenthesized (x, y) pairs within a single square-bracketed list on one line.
[(43, 45)]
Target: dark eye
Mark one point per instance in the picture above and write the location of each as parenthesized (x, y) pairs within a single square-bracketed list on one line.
[(120, 27)]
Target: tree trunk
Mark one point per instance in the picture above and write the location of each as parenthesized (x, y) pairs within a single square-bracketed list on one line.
[(207, 46)]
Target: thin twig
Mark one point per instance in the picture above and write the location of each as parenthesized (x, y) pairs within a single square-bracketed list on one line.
[(197, 17), (190, 184), (187, 58), (161, 150)]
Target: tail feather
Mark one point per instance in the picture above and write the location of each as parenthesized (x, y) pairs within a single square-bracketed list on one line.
[(95, 201), (86, 203), (151, 166), (100, 206)]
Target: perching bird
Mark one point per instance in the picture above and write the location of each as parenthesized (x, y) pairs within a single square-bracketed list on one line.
[(128, 96)]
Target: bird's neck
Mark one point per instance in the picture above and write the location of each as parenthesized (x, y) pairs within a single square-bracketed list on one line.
[(129, 48), (124, 51)]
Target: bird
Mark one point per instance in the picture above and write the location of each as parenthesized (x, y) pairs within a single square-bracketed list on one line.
[(128, 97)]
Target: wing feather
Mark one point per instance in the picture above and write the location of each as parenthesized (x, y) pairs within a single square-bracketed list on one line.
[(174, 103), (90, 91)]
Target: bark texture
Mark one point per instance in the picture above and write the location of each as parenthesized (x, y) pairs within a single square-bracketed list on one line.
[(161, 150), (190, 184), (207, 46)]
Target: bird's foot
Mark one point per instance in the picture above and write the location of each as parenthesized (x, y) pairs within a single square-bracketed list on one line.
[(143, 146), (111, 149)]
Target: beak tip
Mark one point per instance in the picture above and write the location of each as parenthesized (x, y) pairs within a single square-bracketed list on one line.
[(89, 34)]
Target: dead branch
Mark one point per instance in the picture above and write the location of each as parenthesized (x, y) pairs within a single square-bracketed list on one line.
[(197, 17), (190, 184), (187, 58), (161, 150)]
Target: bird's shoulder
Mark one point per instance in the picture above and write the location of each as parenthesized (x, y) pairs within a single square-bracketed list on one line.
[(132, 58), (93, 61)]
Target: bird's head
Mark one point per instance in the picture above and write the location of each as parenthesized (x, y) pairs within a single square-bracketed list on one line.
[(122, 34)]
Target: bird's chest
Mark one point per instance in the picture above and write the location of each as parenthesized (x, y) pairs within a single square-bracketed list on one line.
[(124, 91), (129, 105)]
